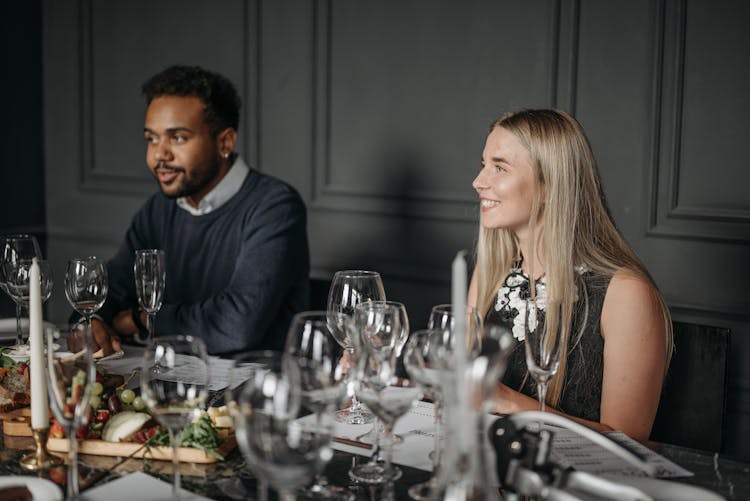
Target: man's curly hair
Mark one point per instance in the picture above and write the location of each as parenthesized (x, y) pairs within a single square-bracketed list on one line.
[(218, 94)]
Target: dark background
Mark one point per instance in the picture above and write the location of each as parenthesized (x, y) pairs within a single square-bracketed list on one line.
[(377, 111)]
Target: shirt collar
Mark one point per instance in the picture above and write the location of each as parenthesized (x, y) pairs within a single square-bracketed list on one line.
[(221, 193)]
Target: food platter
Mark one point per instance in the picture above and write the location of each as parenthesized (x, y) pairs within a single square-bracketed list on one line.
[(135, 450)]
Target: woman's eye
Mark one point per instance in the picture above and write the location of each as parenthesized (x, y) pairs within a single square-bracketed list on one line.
[(499, 168), (151, 139), (180, 139)]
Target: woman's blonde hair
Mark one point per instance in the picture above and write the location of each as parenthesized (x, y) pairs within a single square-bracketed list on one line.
[(570, 225)]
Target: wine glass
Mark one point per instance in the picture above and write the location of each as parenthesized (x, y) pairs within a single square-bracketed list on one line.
[(543, 335), (18, 287), (247, 366), (175, 398), (400, 340), (426, 354), (71, 375), (389, 397), (15, 248), (310, 338), (284, 448), (150, 277), (86, 286), (441, 317), (348, 289)]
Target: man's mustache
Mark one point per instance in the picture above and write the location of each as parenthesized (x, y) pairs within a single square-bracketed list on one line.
[(168, 168)]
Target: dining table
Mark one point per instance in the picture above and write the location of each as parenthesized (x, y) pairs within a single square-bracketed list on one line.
[(232, 479)]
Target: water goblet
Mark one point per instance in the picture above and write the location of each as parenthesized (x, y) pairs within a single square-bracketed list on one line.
[(175, 398), (18, 287), (86, 286), (441, 317), (249, 366), (543, 336), (150, 279), (70, 376), (389, 397), (348, 289), (285, 449), (15, 248), (323, 383)]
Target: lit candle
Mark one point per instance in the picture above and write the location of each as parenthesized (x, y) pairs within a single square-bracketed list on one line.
[(39, 405), (458, 300)]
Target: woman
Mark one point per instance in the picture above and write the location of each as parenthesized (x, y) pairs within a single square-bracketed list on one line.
[(545, 227)]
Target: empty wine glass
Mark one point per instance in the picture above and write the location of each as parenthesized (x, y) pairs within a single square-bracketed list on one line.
[(150, 279), (175, 398), (426, 354), (543, 336), (17, 285), (248, 366), (70, 376), (86, 286), (310, 338), (15, 248), (285, 449), (348, 289), (441, 317), (389, 397)]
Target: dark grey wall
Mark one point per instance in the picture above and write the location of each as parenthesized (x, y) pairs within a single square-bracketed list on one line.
[(21, 144), (376, 112)]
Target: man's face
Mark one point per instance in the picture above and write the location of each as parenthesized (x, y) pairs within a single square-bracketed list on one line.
[(181, 153)]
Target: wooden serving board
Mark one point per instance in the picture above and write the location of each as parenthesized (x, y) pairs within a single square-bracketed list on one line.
[(17, 423), (126, 449)]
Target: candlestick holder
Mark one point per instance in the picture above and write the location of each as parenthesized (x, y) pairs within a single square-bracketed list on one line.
[(40, 459)]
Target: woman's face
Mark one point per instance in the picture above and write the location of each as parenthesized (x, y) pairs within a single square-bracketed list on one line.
[(505, 183)]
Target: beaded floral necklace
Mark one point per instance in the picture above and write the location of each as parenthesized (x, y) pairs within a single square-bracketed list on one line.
[(513, 297)]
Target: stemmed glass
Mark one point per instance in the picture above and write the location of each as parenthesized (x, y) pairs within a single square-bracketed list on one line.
[(323, 383), (17, 284), (348, 289), (389, 397), (543, 336), (16, 248), (285, 449), (71, 376), (248, 366), (379, 325), (150, 278), (176, 398), (426, 354), (441, 318), (86, 286)]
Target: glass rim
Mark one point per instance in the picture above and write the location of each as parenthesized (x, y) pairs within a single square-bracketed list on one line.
[(356, 273), (149, 251)]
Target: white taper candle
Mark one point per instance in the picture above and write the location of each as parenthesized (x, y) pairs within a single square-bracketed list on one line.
[(39, 403)]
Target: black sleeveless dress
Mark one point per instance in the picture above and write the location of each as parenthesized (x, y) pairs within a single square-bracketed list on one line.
[(582, 390)]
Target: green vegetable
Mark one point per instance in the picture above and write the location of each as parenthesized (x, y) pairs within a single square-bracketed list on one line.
[(7, 362), (199, 435)]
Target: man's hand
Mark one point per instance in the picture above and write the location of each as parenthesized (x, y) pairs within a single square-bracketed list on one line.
[(123, 323), (105, 338)]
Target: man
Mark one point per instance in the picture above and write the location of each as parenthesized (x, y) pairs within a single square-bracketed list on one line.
[(235, 240)]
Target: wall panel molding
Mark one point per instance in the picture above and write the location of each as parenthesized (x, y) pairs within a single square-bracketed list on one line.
[(96, 176), (668, 215), (327, 193)]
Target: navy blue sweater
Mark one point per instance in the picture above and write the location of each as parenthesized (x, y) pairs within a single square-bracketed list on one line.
[(234, 277)]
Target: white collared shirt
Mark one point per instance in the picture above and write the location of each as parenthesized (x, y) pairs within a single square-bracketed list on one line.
[(221, 193)]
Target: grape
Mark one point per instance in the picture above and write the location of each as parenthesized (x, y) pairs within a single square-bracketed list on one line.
[(95, 401), (139, 404), (127, 396), (97, 388)]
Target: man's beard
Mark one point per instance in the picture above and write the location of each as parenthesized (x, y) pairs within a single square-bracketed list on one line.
[(191, 183)]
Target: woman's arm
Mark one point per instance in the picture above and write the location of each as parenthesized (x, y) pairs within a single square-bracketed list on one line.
[(634, 362)]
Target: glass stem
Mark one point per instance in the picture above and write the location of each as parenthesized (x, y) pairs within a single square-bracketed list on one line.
[(438, 442), (150, 321), (541, 389), (378, 429), (19, 332), (72, 487), (175, 465), (387, 447)]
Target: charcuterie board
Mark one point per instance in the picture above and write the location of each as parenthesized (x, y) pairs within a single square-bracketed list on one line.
[(135, 450)]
